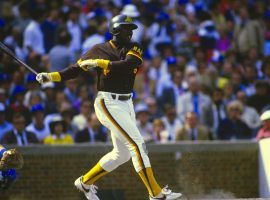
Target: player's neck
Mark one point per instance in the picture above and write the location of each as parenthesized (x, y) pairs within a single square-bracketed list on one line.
[(117, 42)]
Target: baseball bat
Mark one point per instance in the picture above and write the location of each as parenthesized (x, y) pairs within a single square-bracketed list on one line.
[(6, 50)]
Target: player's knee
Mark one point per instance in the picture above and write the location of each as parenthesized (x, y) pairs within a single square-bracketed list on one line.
[(124, 157), (121, 157)]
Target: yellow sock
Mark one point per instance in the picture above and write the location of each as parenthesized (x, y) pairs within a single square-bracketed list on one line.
[(94, 174), (150, 182)]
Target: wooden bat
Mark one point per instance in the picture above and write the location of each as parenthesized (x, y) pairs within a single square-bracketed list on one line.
[(6, 50)]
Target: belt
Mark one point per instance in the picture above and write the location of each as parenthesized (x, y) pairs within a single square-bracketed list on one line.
[(121, 97)]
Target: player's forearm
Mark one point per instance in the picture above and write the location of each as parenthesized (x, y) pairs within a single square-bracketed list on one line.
[(71, 72)]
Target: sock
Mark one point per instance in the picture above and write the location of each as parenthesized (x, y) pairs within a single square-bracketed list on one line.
[(94, 174), (150, 182)]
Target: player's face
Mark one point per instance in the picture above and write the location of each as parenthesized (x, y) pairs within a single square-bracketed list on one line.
[(125, 34)]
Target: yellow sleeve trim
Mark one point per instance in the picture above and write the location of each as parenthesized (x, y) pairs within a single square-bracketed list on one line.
[(134, 54), (112, 44), (79, 61), (55, 76)]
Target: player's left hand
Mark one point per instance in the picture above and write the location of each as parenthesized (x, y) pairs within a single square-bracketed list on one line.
[(88, 64), (11, 159)]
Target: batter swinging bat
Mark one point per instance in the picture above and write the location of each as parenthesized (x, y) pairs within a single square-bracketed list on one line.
[(6, 50)]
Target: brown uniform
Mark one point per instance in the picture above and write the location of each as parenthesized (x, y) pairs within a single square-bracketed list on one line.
[(119, 77)]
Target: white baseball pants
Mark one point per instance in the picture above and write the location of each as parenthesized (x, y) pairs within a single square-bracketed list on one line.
[(119, 117)]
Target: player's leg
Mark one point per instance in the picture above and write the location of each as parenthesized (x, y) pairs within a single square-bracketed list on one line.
[(121, 122), (119, 155)]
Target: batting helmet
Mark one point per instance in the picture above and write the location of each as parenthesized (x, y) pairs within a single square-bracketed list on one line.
[(120, 21)]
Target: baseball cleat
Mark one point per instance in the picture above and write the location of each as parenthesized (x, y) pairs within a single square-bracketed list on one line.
[(88, 190), (167, 195)]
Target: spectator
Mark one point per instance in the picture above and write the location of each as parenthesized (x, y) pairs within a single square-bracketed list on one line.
[(172, 123), (95, 35), (38, 126), (4, 125), (67, 114), (194, 100), (261, 98), (166, 80), (173, 90), (79, 122), (19, 136), (83, 95), (248, 34), (17, 106), (192, 130), (207, 32), (50, 97), (15, 42), (158, 32), (153, 110), (32, 90), (264, 132), (266, 67), (49, 28), (228, 93), (74, 29), (60, 56), (219, 110), (159, 132), (71, 90), (155, 73), (237, 81), (249, 115), (233, 127), (23, 19), (132, 11), (33, 39), (58, 133), (251, 76), (143, 124), (94, 132)]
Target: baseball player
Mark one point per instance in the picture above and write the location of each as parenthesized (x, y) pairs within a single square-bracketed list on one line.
[(10, 160), (116, 62)]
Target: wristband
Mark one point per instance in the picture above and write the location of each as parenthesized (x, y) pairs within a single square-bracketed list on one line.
[(55, 76)]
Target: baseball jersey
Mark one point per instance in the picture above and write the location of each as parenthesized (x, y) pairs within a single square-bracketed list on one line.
[(120, 76)]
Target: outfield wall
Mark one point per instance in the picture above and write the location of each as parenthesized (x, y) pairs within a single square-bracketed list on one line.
[(199, 170)]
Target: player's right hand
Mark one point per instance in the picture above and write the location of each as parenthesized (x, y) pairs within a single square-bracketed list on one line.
[(43, 77)]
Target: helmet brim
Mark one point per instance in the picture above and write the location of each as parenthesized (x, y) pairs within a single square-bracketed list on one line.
[(131, 25)]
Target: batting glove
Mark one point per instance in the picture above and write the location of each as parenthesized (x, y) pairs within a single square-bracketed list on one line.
[(88, 64), (47, 77)]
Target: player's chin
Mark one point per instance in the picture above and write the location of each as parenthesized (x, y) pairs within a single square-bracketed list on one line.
[(127, 40)]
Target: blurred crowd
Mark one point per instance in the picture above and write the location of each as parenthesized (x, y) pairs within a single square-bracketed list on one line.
[(205, 74)]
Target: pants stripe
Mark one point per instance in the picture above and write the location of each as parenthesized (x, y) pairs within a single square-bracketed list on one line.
[(129, 139)]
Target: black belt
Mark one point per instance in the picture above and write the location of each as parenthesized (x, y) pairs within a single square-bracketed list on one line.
[(121, 97)]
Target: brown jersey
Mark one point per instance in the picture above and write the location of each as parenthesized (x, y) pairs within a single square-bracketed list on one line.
[(119, 77)]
